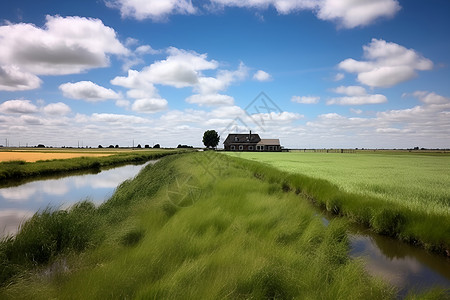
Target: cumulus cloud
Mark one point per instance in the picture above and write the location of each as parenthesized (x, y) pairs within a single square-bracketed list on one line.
[(65, 45), (346, 13), (156, 10), (88, 91), (13, 79), (350, 13), (430, 97), (182, 68), (149, 105), (18, 107), (386, 64), (210, 99), (305, 99), (260, 75), (355, 95), (56, 109), (146, 49)]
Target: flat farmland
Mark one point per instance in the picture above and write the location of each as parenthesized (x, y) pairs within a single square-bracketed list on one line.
[(33, 156), (399, 194), (416, 181)]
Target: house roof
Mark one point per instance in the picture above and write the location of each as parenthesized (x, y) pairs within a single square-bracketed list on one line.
[(269, 142), (242, 138)]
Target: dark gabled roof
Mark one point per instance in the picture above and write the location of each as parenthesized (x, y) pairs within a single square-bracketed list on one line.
[(250, 138)]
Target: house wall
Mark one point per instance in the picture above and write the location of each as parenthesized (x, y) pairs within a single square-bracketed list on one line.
[(264, 148)]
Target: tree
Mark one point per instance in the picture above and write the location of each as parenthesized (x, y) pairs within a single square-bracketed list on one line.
[(211, 138), (157, 146)]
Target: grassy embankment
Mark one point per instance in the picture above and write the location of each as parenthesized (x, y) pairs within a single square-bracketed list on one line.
[(194, 226), (17, 169), (403, 195)]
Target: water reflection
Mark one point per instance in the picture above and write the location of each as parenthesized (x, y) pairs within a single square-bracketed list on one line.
[(405, 266), (18, 203)]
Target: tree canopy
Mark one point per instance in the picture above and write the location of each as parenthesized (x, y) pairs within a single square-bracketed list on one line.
[(211, 138)]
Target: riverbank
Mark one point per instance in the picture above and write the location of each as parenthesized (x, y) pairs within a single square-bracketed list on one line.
[(198, 225), (20, 169)]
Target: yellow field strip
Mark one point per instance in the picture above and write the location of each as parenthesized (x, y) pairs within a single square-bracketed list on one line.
[(35, 156)]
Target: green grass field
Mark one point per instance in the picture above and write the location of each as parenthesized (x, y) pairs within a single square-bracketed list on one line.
[(194, 226), (412, 186), (416, 181)]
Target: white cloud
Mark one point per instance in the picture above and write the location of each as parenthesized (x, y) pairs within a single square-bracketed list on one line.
[(56, 109), (18, 107), (431, 97), (13, 79), (355, 95), (152, 9), (66, 45), (347, 13), (277, 117), (182, 68), (350, 90), (260, 75), (305, 99), (358, 100), (351, 13), (149, 105), (339, 77), (88, 91), (210, 99), (116, 118), (386, 64), (146, 49)]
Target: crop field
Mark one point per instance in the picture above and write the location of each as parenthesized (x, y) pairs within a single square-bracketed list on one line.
[(415, 181), (402, 195), (33, 156), (20, 164)]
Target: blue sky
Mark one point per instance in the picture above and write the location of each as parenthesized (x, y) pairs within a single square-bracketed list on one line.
[(325, 73)]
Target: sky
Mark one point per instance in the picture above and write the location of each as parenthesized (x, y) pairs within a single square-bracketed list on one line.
[(313, 73)]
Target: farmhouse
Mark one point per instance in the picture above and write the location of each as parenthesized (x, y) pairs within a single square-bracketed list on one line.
[(250, 142)]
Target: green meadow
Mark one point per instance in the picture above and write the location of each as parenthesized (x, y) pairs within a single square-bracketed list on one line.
[(193, 226), (411, 191)]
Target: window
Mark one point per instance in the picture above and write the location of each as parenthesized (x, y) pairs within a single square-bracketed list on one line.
[(250, 147), (232, 147), (241, 147), (236, 139)]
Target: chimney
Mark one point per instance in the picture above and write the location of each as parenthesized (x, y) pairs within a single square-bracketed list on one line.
[(250, 136)]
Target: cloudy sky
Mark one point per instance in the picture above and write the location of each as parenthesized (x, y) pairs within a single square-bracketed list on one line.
[(314, 73)]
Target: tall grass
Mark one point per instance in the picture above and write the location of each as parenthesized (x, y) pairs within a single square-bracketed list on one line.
[(320, 177), (179, 230), (206, 226)]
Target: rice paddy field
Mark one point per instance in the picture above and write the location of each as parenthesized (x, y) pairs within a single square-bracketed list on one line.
[(414, 185)]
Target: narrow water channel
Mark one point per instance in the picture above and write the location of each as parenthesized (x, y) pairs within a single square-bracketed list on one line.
[(404, 266), (18, 203)]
